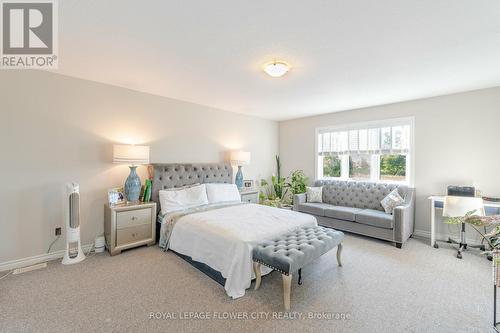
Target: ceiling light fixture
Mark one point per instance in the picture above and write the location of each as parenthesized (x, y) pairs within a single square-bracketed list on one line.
[(276, 68)]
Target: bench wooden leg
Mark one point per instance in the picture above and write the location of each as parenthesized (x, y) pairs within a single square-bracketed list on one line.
[(256, 269), (287, 282), (339, 253)]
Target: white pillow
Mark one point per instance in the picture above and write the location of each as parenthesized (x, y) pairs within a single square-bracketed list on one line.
[(314, 194), (391, 201), (222, 193), (176, 200)]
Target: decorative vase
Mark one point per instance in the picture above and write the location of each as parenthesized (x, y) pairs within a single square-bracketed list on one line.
[(133, 185), (239, 179)]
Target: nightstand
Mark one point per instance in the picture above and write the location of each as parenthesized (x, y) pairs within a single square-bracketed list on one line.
[(250, 196), (128, 226)]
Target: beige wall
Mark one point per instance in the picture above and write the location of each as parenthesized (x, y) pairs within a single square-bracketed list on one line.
[(55, 129), (457, 141)]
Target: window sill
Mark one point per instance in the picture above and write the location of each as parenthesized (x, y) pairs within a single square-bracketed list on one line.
[(407, 183)]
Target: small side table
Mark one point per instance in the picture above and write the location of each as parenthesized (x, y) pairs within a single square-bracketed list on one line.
[(250, 196), (130, 225)]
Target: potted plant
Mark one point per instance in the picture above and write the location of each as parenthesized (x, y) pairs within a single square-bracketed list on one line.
[(277, 194), (279, 184), (492, 237), (298, 182)]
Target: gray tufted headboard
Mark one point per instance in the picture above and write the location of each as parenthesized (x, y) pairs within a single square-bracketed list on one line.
[(177, 175)]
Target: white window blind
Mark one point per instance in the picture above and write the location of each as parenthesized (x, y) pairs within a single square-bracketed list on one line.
[(375, 140)]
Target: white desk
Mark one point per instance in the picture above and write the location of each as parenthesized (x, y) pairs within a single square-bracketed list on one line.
[(437, 201)]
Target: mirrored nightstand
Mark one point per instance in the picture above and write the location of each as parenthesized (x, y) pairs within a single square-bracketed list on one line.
[(128, 226), (250, 196)]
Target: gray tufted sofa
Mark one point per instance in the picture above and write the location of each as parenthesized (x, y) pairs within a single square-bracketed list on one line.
[(355, 207)]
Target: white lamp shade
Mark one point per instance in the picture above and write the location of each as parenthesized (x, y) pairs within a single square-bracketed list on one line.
[(130, 154), (459, 206), (240, 157)]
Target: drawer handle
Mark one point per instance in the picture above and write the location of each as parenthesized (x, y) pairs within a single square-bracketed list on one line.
[(134, 218)]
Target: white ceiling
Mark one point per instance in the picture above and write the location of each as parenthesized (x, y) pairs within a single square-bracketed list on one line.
[(345, 53)]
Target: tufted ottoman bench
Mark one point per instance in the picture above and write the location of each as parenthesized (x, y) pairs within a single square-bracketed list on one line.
[(289, 253)]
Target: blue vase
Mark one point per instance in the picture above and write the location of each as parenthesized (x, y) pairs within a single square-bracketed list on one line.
[(133, 185), (239, 179)]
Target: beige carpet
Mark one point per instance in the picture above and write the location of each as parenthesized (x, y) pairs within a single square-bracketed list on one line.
[(379, 289)]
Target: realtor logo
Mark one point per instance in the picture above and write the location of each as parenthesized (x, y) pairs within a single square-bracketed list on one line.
[(29, 34)]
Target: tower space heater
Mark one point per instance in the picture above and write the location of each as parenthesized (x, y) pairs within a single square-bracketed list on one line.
[(74, 251)]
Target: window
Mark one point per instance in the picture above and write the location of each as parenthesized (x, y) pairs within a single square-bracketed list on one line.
[(360, 166), (331, 166), (378, 151), (393, 167)]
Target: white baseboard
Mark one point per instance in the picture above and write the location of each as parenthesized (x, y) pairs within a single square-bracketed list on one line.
[(422, 233), (443, 236), (18, 263)]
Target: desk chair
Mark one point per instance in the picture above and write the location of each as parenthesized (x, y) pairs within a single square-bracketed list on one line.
[(457, 207)]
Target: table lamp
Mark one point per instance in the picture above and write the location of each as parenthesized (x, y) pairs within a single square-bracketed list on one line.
[(132, 155), (240, 158)]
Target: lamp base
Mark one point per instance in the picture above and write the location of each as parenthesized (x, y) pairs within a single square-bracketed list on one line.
[(133, 185), (239, 179)]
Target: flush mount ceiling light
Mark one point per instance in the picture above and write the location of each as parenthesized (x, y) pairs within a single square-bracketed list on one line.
[(276, 68)]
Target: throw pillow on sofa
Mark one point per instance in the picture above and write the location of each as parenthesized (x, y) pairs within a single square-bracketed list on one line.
[(314, 194), (391, 201)]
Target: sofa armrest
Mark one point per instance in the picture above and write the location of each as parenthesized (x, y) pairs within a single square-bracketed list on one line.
[(404, 218), (298, 199)]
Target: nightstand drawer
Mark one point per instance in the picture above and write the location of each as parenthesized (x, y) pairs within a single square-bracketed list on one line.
[(252, 197), (249, 199), (132, 218), (133, 234)]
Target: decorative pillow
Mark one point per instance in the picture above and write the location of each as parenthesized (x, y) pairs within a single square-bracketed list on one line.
[(314, 194), (222, 193), (173, 200), (391, 201)]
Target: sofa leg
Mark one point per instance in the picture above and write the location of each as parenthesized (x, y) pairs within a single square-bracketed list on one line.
[(339, 253), (399, 245)]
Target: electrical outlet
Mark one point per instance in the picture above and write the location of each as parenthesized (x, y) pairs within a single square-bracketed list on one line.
[(58, 231)]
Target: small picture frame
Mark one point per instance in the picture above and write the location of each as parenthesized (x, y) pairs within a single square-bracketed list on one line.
[(248, 184), (116, 196)]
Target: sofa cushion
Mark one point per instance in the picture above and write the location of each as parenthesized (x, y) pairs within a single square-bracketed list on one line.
[(375, 218), (341, 212), (364, 195), (314, 194), (391, 201), (313, 208)]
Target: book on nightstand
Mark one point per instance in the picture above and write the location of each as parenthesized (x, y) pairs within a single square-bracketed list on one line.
[(147, 191)]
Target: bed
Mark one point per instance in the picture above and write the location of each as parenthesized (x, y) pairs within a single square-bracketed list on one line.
[(218, 238)]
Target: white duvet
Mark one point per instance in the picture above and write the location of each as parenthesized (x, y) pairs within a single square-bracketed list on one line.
[(223, 238)]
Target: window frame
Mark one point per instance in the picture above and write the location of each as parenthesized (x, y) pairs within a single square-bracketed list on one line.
[(375, 158)]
